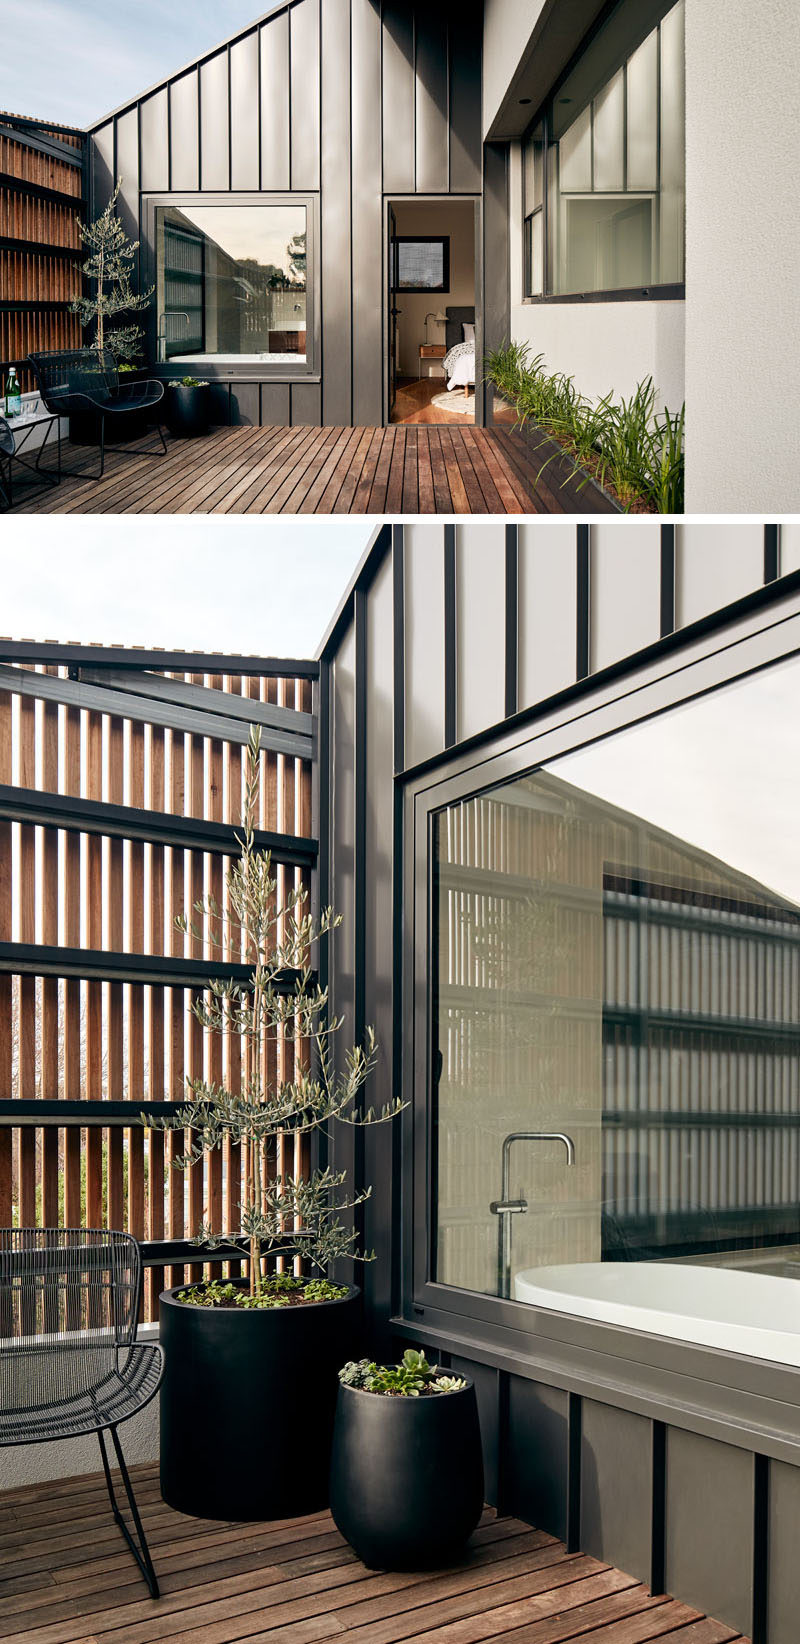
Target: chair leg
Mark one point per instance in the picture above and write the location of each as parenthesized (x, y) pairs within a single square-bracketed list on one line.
[(102, 457), (142, 1552)]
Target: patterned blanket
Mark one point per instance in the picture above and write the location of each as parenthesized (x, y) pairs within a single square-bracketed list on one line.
[(459, 365)]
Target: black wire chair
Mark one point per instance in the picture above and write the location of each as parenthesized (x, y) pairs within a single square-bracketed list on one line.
[(85, 382), (69, 1359)]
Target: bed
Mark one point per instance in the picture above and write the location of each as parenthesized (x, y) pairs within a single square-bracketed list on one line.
[(459, 361)]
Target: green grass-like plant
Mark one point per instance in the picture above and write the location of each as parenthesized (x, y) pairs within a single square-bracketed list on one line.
[(623, 443)]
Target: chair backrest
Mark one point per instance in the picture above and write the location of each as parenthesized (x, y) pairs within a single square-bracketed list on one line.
[(6, 438), (63, 372), (59, 1282)]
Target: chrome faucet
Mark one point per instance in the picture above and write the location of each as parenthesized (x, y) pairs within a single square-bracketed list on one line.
[(161, 335), (505, 1207)]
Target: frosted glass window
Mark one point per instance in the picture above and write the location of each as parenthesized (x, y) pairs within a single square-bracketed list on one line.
[(534, 261), (609, 135), (625, 589), (575, 153), (673, 147), (615, 132), (715, 564), (642, 78)]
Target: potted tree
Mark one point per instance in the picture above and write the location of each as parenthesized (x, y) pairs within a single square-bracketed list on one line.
[(406, 1466), (249, 1389), (188, 406), (108, 275)]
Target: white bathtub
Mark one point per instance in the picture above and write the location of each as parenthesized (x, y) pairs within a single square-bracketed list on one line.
[(750, 1313)]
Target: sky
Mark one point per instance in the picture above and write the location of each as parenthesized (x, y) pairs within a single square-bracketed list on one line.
[(72, 61), (240, 585), (722, 772)]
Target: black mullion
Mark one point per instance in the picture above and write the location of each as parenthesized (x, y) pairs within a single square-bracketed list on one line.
[(760, 1588), (399, 642), (512, 619), (582, 602), (658, 1545), (574, 1425), (772, 550), (450, 728), (667, 580)]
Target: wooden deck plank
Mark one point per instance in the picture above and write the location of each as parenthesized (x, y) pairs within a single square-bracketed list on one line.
[(67, 1578), (407, 468)]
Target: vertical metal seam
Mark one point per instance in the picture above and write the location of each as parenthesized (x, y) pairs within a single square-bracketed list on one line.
[(658, 1510), (512, 620), (760, 1588), (502, 1504), (667, 593), (321, 786), (772, 551), (574, 1424), (359, 872), (399, 706), (399, 643), (582, 602), (450, 727)]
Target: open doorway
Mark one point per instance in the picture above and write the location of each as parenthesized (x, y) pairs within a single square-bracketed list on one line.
[(432, 311)]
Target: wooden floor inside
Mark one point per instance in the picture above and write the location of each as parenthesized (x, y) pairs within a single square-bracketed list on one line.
[(413, 403), (66, 1577), (399, 470)]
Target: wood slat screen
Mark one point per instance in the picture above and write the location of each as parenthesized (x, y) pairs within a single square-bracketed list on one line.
[(67, 1039), (40, 246)]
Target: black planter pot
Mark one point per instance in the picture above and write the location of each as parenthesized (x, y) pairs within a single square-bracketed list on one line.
[(247, 1405), (188, 409), (406, 1476)]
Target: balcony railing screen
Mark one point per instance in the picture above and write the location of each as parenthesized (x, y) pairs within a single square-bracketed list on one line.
[(617, 1006)]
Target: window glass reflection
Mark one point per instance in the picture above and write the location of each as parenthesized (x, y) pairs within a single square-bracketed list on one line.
[(618, 969), (232, 282)]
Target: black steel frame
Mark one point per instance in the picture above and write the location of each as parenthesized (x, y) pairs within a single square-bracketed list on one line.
[(506, 1333), (140, 1551)]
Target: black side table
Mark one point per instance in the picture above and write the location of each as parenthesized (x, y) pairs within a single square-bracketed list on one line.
[(21, 429)]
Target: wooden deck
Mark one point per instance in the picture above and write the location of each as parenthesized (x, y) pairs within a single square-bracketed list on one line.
[(67, 1578), (398, 470)]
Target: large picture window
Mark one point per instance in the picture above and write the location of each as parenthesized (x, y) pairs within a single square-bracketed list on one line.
[(604, 166), (232, 283), (616, 1028)]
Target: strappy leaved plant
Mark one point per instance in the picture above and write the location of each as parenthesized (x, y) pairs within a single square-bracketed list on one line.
[(280, 1003)]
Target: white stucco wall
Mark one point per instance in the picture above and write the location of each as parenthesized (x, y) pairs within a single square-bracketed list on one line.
[(743, 256), (603, 346), (507, 28), (38, 1463)]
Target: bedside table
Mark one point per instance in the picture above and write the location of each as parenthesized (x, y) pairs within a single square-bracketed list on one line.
[(431, 356)]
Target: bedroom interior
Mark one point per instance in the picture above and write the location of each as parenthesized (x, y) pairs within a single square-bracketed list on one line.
[(433, 287)]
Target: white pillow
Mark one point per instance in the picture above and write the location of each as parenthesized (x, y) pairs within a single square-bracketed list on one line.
[(469, 333)]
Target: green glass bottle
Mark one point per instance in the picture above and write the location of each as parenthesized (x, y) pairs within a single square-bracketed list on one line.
[(13, 395)]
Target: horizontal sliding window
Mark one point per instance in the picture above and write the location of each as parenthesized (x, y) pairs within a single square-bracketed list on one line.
[(609, 154), (232, 283), (616, 1028)]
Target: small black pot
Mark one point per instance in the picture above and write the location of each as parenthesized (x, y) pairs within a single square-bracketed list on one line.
[(188, 409), (406, 1476), (247, 1405)]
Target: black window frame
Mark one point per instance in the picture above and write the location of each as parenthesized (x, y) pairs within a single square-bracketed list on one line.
[(668, 292), (422, 239), (244, 369), (640, 1367)]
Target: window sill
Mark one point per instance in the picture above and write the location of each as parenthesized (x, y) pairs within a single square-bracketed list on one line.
[(636, 294)]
